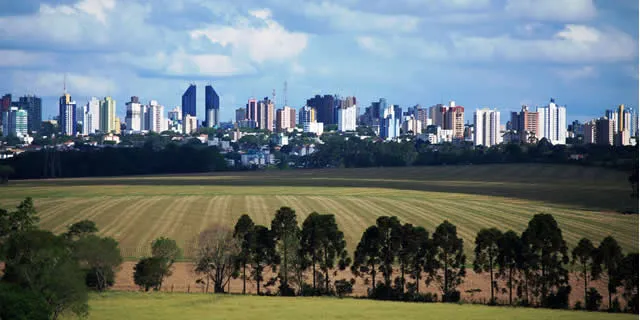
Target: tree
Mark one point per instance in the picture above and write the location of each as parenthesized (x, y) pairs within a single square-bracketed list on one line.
[(332, 247), (583, 255), (509, 258), (240, 233), (216, 255), (41, 262), (310, 241), (450, 258), (22, 304), (23, 219), (366, 258), (390, 235), (263, 252), (407, 254), (487, 251), (100, 258), (5, 173), (285, 227), (168, 250), (608, 259), (546, 252), (422, 259), (147, 273), (80, 229), (629, 277)]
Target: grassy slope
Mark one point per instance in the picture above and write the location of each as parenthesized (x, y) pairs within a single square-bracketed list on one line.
[(135, 210), (142, 306)]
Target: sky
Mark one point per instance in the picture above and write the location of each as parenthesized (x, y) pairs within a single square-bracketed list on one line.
[(481, 53)]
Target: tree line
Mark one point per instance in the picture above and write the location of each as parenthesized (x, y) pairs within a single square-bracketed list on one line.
[(47, 275)]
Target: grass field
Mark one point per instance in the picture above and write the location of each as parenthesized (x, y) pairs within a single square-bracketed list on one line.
[(136, 210), (158, 306)]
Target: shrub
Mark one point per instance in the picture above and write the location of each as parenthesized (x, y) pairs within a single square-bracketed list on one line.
[(21, 304), (578, 305), (558, 300), (344, 287), (594, 300), (451, 296), (286, 291)]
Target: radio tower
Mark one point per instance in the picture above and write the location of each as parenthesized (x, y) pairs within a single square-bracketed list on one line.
[(274, 98)]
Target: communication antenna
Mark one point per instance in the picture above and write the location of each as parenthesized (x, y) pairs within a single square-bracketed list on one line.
[(274, 97), (64, 83), (285, 94)]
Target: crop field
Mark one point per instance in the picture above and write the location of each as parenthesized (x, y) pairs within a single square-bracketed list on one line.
[(158, 306), (136, 210)]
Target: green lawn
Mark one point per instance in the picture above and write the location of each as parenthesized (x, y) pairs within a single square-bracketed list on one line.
[(158, 306), (135, 210)]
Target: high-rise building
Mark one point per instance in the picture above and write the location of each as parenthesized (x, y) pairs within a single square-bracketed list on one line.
[(389, 125), (421, 114), (285, 118), (108, 115), (118, 125), (190, 124), (241, 114), (347, 115), (252, 110), (5, 105), (17, 123), (589, 132), (605, 131), (134, 119), (91, 117), (212, 107), (189, 104), (487, 127), (325, 106), (33, 106), (154, 117), (306, 114), (525, 123), (633, 126), (67, 115), (265, 114), (454, 120), (552, 121), (411, 124)]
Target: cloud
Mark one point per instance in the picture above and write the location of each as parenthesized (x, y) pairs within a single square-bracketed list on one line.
[(22, 58), (344, 19), (573, 74), (259, 41), (552, 10), (573, 44), (395, 46), (52, 83)]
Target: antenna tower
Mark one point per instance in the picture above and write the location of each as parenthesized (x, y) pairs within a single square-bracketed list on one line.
[(285, 94)]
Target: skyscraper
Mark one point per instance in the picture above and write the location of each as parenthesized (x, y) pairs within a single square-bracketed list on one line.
[(33, 106), (252, 110), (91, 117), (133, 118), (605, 131), (154, 117), (5, 105), (389, 125), (17, 122), (487, 127), (552, 121), (108, 115), (189, 106), (67, 114), (306, 114), (212, 107), (347, 117), (241, 114), (525, 123), (455, 121), (266, 114), (324, 106), (285, 118)]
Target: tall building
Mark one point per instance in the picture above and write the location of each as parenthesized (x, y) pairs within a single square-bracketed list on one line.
[(285, 118), (552, 121), (241, 114), (91, 117), (421, 114), (155, 117), (5, 105), (633, 127), (67, 115), (525, 123), (265, 114), (17, 122), (33, 106), (212, 107), (306, 114), (389, 125), (190, 124), (589, 132), (411, 124), (454, 120), (252, 110), (108, 115), (347, 115), (133, 118), (487, 127), (325, 106), (605, 131), (189, 104)]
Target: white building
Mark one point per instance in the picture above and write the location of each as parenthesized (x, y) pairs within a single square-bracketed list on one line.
[(347, 117), (190, 124), (552, 121), (487, 127), (154, 117), (411, 124), (91, 117), (314, 127), (134, 119), (390, 125)]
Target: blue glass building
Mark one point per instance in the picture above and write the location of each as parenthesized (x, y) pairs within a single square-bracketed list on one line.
[(211, 107), (189, 101)]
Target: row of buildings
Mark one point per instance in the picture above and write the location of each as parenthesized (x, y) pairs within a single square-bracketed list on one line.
[(616, 127)]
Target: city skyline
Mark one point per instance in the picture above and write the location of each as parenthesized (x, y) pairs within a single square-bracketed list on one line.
[(488, 53)]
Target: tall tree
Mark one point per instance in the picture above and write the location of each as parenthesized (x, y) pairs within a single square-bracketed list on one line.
[(408, 253), (608, 259), (487, 251), (509, 257), (100, 258), (263, 252), (167, 250), (583, 255), (216, 255), (546, 251), (450, 258), (24, 218), (629, 277), (390, 235), (285, 227), (80, 229), (332, 247), (242, 228), (366, 258), (310, 241)]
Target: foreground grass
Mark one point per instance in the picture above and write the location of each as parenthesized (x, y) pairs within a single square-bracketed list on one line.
[(158, 306)]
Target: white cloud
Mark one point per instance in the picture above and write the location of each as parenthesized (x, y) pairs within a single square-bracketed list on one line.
[(575, 43), (343, 18), (554, 10), (573, 74), (269, 41), (21, 58), (394, 46), (52, 83)]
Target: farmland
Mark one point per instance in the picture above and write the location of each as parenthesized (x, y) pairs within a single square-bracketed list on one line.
[(127, 305), (136, 210)]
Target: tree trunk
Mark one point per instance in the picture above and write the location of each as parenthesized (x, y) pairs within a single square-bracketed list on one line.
[(418, 278), (584, 269), (314, 274), (373, 278), (510, 286), (326, 264), (286, 271), (446, 275), (402, 277), (491, 277), (244, 279)]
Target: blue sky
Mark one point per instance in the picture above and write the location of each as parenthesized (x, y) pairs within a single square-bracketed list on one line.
[(480, 53)]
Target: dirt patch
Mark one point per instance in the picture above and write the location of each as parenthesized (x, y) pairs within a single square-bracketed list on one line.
[(184, 279)]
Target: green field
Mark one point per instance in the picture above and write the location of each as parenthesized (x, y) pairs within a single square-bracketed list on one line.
[(135, 210), (158, 306)]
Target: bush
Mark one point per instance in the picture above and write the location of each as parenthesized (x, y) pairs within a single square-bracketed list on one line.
[(286, 291), (307, 290), (21, 304), (452, 296), (558, 300), (578, 305), (615, 306), (594, 300), (384, 292), (91, 279), (344, 287)]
